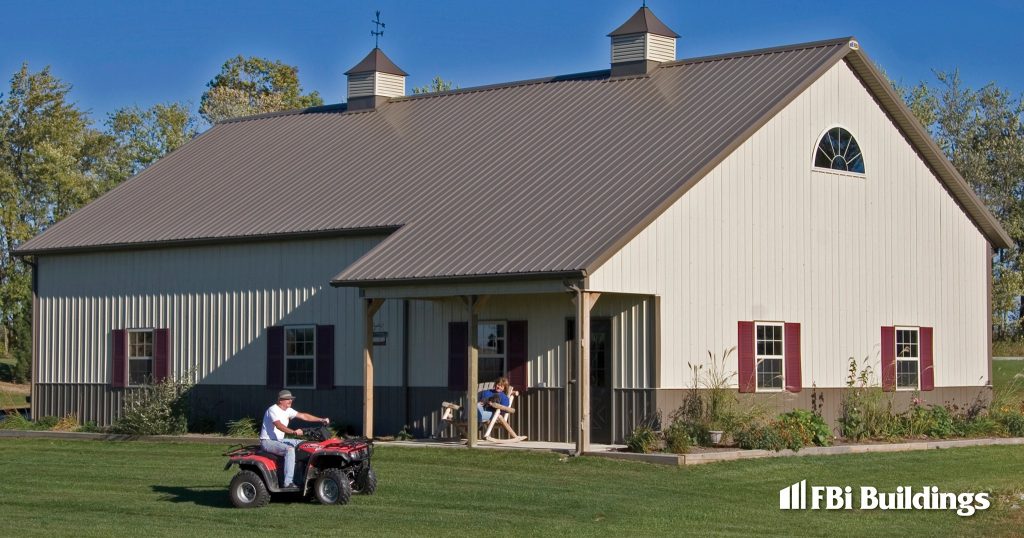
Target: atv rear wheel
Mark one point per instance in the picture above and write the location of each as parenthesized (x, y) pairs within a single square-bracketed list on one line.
[(365, 482), (247, 490), (332, 487)]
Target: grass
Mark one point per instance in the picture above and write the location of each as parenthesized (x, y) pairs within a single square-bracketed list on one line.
[(13, 396), (91, 488), (1004, 375), (1008, 348)]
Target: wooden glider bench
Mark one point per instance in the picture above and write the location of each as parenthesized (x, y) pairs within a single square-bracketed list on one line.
[(501, 413)]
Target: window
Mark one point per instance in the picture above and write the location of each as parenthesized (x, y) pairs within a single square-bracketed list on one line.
[(769, 356), (838, 150), (908, 358), (491, 337), (140, 357), (299, 356)]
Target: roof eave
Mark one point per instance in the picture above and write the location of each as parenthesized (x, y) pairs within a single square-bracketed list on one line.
[(458, 279)]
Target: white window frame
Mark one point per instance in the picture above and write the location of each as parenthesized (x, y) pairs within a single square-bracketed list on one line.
[(896, 355), (503, 356), (814, 154), (140, 358), (288, 357), (758, 358)]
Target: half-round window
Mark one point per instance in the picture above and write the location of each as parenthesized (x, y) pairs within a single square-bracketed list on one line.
[(838, 150)]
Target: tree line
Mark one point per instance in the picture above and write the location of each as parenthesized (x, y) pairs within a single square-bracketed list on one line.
[(54, 159)]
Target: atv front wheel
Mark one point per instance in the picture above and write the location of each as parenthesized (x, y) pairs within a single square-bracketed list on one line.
[(332, 487), (247, 490), (365, 482)]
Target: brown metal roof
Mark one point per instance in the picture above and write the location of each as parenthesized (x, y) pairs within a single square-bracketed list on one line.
[(643, 22), (376, 60), (538, 178)]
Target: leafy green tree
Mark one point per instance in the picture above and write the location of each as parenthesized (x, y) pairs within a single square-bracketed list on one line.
[(436, 85), (140, 137), (981, 133), (48, 158), (253, 85)]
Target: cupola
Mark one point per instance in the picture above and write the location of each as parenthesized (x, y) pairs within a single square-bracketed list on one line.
[(639, 45), (373, 81)]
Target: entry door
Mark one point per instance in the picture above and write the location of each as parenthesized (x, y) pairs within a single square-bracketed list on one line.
[(600, 376)]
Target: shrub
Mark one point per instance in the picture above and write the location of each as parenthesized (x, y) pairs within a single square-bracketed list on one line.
[(16, 421), (404, 434), (811, 428), (67, 423), (678, 439), (157, 409), (760, 437), (940, 423), (642, 440), (45, 423), (90, 426), (866, 412), (711, 403), (1013, 422), (243, 427)]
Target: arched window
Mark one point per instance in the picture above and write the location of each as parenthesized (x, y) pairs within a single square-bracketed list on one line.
[(838, 150)]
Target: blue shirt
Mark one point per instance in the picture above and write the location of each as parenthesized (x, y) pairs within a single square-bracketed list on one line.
[(485, 396)]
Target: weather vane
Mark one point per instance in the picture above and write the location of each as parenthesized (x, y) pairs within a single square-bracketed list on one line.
[(378, 32)]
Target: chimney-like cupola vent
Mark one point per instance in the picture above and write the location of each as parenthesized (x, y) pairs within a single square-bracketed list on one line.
[(639, 45), (373, 81)]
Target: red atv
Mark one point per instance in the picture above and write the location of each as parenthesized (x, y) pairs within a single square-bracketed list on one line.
[(331, 469)]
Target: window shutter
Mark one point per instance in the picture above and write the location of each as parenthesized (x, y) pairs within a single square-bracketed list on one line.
[(458, 354), (745, 355), (325, 356), (275, 357), (119, 353), (792, 354), (888, 358), (927, 359), (517, 359), (161, 354)]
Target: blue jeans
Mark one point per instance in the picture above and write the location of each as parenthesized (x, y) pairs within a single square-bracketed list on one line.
[(484, 413), (286, 448)]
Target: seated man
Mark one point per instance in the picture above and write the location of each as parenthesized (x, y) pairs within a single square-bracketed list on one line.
[(275, 426)]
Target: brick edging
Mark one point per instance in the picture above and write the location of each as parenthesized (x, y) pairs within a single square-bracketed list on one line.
[(713, 457)]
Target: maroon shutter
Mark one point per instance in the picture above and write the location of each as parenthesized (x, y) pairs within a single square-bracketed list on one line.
[(458, 354), (745, 357), (793, 378), (275, 357), (927, 360), (888, 358), (119, 353), (517, 354), (161, 354), (325, 356)]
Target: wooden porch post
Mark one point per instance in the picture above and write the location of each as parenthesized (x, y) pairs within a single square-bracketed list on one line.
[(370, 307), (474, 303), (584, 303)]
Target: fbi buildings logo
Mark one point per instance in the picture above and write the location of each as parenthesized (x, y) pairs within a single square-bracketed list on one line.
[(801, 497)]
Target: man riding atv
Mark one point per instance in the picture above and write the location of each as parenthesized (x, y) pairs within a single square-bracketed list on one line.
[(275, 426)]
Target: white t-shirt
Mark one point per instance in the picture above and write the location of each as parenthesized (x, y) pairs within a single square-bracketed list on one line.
[(274, 413)]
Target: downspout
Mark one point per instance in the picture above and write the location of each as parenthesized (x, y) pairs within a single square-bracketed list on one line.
[(405, 359)]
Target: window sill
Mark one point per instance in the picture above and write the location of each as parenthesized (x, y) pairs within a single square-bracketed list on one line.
[(830, 171)]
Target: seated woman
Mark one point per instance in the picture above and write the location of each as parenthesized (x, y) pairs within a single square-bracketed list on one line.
[(485, 405)]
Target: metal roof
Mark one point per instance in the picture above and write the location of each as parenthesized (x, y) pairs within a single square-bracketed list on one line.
[(538, 178), (643, 22), (376, 60)]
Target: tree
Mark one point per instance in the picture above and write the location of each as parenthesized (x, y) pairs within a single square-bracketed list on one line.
[(140, 137), (981, 133), (254, 85), (436, 85), (48, 159)]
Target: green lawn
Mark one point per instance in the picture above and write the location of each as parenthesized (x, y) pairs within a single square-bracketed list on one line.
[(92, 488), (1004, 372)]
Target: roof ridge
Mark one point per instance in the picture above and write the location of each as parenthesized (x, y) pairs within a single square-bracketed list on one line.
[(762, 51)]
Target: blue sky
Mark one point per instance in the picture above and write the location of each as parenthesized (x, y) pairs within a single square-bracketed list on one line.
[(118, 53)]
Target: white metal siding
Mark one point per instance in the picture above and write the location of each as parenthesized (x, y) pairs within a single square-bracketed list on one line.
[(661, 48), (389, 85), (361, 85), (217, 302), (632, 354), (764, 237), (628, 48)]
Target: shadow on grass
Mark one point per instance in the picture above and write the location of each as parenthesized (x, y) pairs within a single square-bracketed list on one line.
[(212, 497)]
